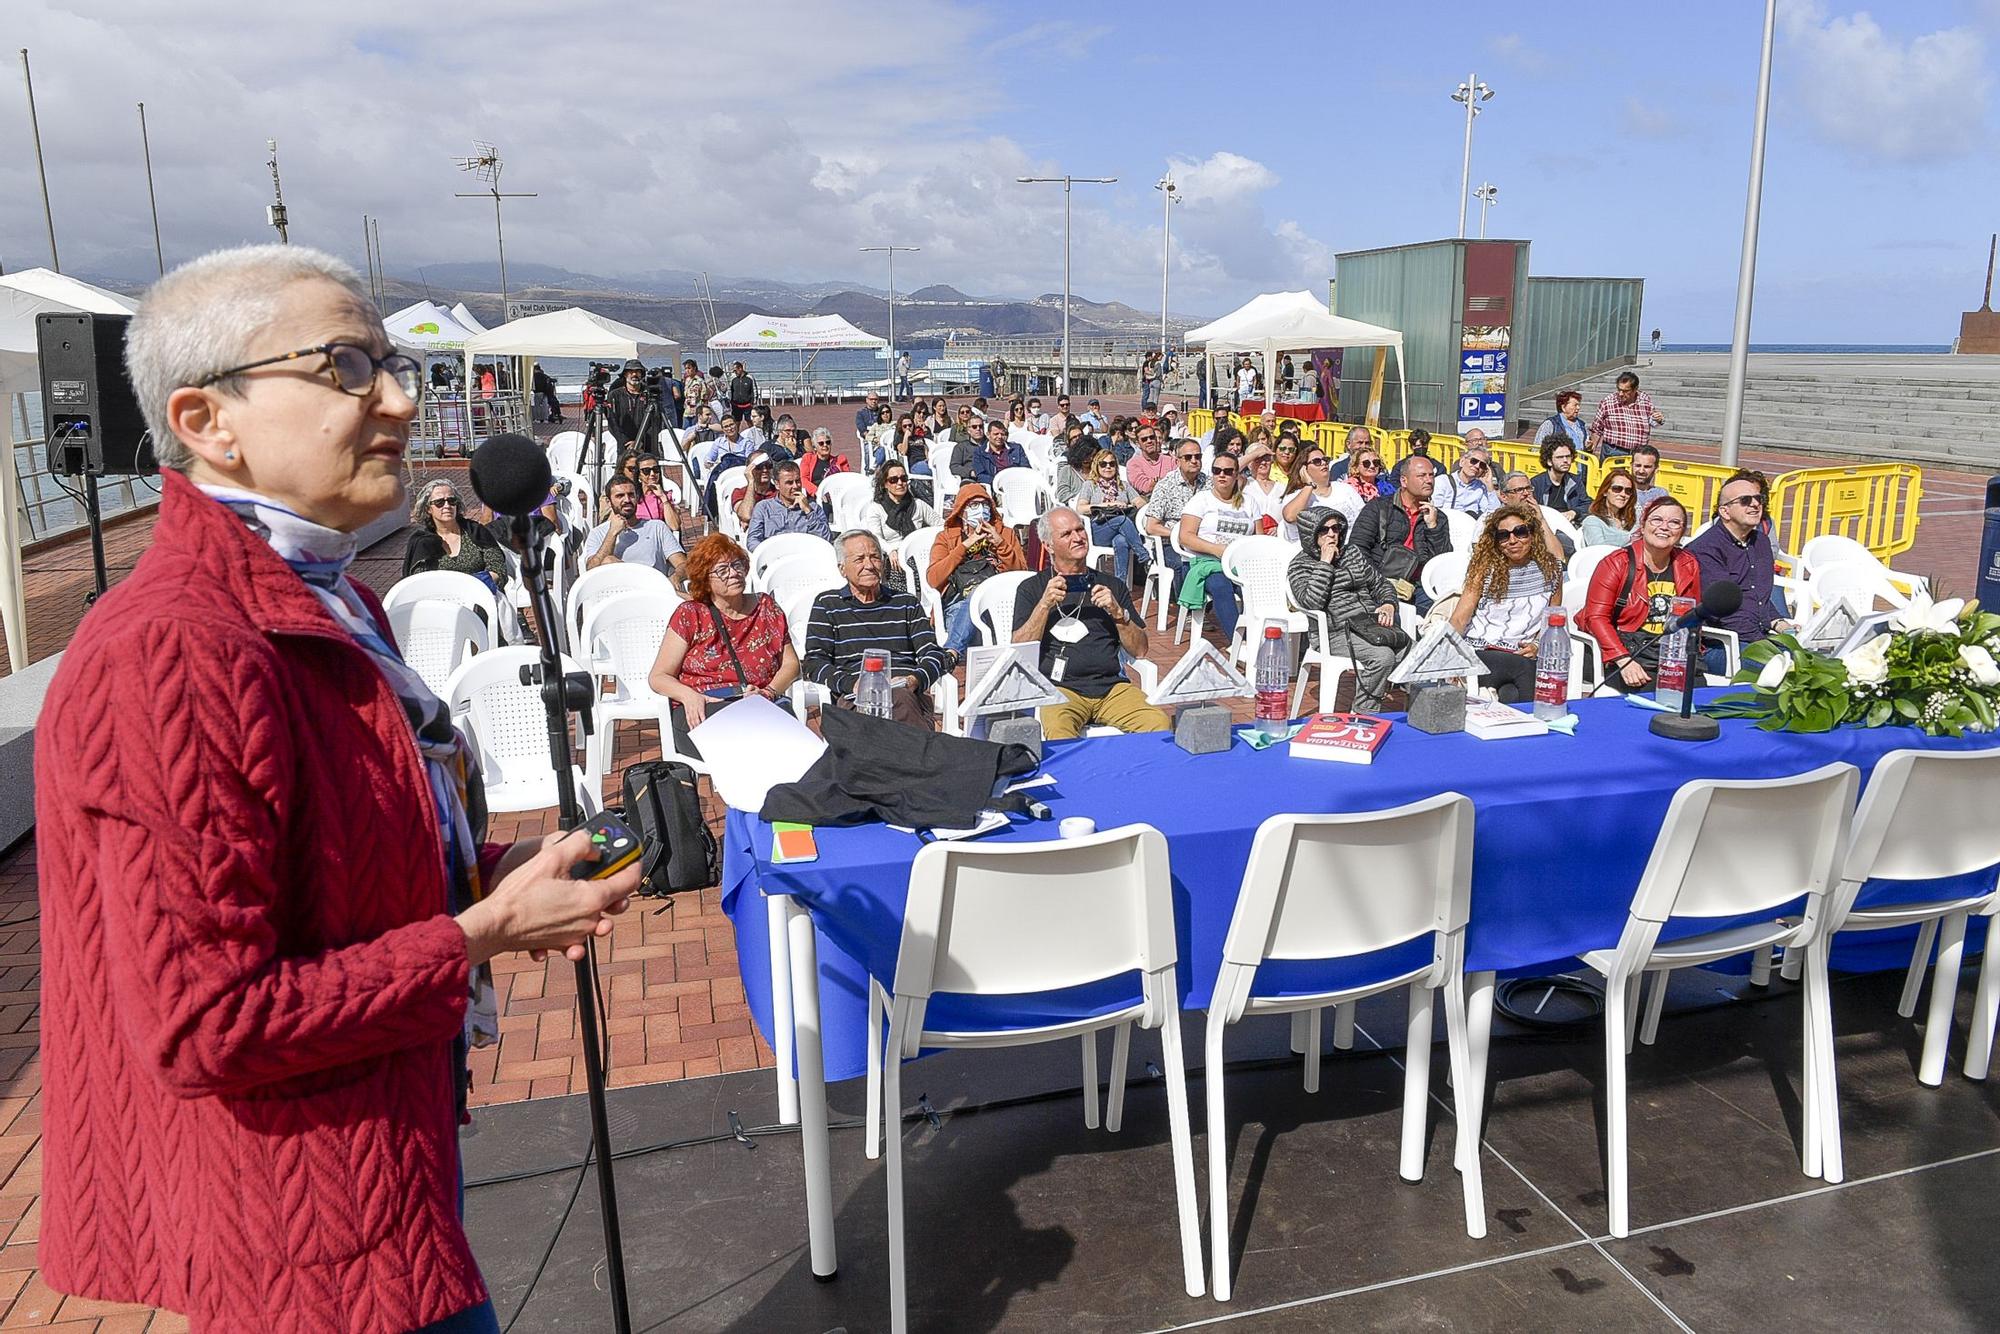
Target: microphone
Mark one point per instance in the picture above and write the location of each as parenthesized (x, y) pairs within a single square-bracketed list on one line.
[(511, 475), (1719, 599)]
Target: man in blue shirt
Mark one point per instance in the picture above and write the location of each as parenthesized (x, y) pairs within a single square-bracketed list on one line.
[(865, 418), (971, 463), (1737, 548), (787, 510)]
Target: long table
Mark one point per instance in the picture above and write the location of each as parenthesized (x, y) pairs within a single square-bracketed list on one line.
[(1562, 829)]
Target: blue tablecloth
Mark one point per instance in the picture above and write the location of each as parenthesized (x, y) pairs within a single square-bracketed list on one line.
[(1562, 831)]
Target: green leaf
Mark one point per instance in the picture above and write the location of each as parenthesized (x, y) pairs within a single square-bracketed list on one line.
[(1907, 709), (1878, 712)]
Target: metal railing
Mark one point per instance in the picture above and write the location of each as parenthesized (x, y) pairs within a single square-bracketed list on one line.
[(1042, 347), (51, 506)]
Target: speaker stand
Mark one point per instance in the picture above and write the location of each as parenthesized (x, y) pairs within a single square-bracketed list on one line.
[(94, 516)]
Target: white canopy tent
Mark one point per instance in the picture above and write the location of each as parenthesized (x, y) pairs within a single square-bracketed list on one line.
[(23, 296), (467, 318), (1279, 322), (789, 333), (571, 332), (426, 326)]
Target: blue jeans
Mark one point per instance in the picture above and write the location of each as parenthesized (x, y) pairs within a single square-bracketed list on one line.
[(958, 625), (1713, 659), (478, 1319), (1122, 536), (1221, 590)]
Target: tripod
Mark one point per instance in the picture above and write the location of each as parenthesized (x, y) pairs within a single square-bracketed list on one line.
[(561, 696)]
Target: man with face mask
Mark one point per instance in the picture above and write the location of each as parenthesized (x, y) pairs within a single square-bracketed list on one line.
[(972, 547)]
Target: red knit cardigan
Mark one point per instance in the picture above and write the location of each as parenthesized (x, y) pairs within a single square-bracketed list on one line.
[(250, 986)]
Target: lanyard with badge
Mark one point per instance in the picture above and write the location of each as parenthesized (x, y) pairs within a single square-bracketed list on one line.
[(1069, 629)]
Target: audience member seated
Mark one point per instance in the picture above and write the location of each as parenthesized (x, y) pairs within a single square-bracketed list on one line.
[(866, 416), (880, 438), (1645, 474), (1631, 595), (972, 462), (1558, 485), (786, 510), (1311, 486), (1398, 534), (1162, 515), (972, 546), (1469, 486), (1109, 504), (724, 642), (1737, 548), (1149, 462), (757, 487), (711, 455), (1511, 579), (1418, 445), (444, 539), (1357, 438), (1079, 448), (866, 617), (822, 462), (1083, 620), (1332, 577), (1284, 458), (1517, 488), (896, 512), (656, 496), (625, 536), (785, 442), (1209, 523), (1614, 514)]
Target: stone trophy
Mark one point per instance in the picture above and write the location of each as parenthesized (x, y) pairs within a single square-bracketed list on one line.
[(1008, 687), (1191, 689), (1435, 671)]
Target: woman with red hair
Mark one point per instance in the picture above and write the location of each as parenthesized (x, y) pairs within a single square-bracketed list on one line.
[(724, 642), (1631, 594)]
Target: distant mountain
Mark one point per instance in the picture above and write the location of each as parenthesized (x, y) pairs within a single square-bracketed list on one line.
[(939, 292)]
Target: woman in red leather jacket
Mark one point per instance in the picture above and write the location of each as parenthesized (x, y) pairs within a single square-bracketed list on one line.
[(1630, 595)]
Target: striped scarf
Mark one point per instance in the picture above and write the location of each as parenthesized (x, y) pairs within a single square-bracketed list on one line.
[(320, 556)]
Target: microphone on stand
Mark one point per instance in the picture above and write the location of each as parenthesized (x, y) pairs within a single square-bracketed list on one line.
[(1719, 599)]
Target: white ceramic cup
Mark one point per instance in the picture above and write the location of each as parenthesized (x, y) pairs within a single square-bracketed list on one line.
[(1078, 826)]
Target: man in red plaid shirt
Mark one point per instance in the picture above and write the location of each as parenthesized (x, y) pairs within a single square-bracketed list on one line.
[(1625, 419)]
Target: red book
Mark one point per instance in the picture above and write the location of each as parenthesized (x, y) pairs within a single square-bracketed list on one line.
[(1351, 738)]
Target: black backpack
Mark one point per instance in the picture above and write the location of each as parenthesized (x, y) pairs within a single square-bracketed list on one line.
[(664, 810)]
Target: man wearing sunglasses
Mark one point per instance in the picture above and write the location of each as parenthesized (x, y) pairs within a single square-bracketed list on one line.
[(1162, 516), (1148, 463), (1469, 486), (1737, 547)]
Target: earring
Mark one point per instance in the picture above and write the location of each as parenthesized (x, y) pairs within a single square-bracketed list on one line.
[(229, 456)]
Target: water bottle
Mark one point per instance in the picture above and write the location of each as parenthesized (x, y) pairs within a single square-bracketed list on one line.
[(1552, 667), (1670, 682), (1274, 680), (872, 693)]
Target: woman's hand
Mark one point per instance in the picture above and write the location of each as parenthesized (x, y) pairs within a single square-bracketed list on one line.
[(534, 905), (696, 709), (1632, 674)]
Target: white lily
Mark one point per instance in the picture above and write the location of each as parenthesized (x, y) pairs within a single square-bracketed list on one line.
[(1924, 615), (1776, 670), (1868, 664), (1985, 672)]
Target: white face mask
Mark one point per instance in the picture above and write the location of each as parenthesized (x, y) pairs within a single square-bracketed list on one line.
[(1068, 630), (978, 512)]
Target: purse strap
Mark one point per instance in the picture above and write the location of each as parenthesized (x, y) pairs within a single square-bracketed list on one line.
[(742, 677)]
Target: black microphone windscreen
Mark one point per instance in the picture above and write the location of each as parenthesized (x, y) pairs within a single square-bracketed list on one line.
[(510, 474), (1721, 598)]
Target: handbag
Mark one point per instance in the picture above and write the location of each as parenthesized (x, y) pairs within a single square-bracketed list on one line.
[(1370, 630), (718, 695)]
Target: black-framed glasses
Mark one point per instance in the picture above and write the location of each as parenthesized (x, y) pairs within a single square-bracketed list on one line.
[(1478, 463), (1189, 458), (1316, 461), (439, 502), (1369, 463), (895, 479), (1225, 472), (1618, 491), (351, 367), (1756, 500), (1511, 534), (653, 471)]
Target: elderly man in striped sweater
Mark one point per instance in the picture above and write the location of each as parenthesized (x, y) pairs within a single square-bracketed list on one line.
[(867, 617)]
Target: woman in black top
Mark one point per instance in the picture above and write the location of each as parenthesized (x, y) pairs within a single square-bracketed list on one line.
[(444, 539)]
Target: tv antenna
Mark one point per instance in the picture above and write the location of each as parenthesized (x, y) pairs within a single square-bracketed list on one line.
[(274, 212), (485, 164)]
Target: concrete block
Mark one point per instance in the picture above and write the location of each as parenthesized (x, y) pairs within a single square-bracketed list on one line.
[(1202, 729), (1020, 730), (1438, 709)]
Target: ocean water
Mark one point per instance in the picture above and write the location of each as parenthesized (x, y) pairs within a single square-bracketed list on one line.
[(1815, 349)]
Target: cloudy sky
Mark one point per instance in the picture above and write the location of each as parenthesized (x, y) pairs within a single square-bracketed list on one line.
[(773, 139)]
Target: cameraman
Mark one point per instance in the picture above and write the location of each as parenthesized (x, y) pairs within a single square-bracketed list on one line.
[(631, 411)]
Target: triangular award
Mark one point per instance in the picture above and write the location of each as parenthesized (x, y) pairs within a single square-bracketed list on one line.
[(1204, 673), (1008, 682), (1830, 626), (1440, 655)]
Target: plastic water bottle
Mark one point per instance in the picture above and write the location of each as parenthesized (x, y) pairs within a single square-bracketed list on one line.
[(1552, 667), (1274, 680), (872, 693)]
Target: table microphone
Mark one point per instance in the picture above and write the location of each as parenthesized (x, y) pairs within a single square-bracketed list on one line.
[(1719, 599)]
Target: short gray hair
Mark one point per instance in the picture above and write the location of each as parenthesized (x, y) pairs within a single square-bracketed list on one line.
[(1045, 525), (1510, 478), (863, 534), (821, 433), (205, 315)]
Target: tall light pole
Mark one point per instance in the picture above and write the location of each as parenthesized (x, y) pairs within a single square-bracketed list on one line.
[(1170, 195), (1746, 269), (485, 164), (1472, 92), (1488, 195), (274, 212), (1066, 182), (35, 128), (890, 251), (159, 255)]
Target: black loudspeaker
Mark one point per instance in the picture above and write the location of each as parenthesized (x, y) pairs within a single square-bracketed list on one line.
[(88, 407)]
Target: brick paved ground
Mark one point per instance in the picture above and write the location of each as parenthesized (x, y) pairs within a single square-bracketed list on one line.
[(674, 1001)]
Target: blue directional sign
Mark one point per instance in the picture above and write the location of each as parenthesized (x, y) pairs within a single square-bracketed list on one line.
[(1482, 361)]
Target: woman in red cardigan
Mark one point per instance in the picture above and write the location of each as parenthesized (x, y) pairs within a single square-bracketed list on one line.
[(267, 908), (1627, 604)]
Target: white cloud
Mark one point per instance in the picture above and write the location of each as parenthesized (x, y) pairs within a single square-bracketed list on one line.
[(1882, 98), (647, 153), (1513, 48)]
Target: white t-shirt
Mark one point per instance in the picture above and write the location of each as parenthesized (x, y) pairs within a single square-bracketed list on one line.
[(1222, 522), (1246, 382)]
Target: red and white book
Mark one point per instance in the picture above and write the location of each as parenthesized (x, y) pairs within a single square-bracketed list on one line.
[(1350, 738)]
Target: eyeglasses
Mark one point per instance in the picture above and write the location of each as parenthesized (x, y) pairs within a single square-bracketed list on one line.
[(1513, 534), (1109, 463), (1756, 502), (1477, 463), (1617, 490), (1225, 472), (895, 479), (1368, 463), (649, 472), (351, 367), (739, 568), (1189, 458), (442, 502), (1316, 461)]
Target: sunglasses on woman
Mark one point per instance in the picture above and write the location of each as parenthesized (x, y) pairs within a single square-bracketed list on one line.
[(1618, 491), (444, 502), (895, 479), (1513, 534)]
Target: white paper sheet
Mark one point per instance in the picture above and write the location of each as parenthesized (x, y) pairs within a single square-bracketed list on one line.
[(751, 747)]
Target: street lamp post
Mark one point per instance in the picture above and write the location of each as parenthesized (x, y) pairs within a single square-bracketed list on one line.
[(891, 250), (1170, 195), (1066, 182), (1488, 195), (1746, 271), (1472, 92)]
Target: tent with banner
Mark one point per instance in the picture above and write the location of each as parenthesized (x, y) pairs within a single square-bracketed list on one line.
[(1278, 322), (23, 296), (570, 332), (425, 326), (791, 333)]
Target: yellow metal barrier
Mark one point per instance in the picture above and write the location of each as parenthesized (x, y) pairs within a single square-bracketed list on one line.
[(1696, 485), (1875, 504)]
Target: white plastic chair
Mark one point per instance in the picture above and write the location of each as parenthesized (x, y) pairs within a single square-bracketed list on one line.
[(916, 558), (581, 501), (565, 449), (1834, 549), (806, 547), (434, 637), (727, 483), (509, 730), (1444, 574), (804, 577), (1021, 496), (1014, 918), (1561, 521), (443, 586), (993, 606), (1584, 563), (608, 581), (623, 634), (1861, 582), (1327, 887), (1925, 815), (1188, 623), (1464, 529), (844, 494), (1159, 580), (1727, 849)]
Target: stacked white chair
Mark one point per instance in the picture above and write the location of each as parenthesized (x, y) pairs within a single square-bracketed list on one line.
[(845, 494), (1343, 887), (623, 634), (434, 637), (508, 727), (608, 581), (1009, 919), (1728, 849)]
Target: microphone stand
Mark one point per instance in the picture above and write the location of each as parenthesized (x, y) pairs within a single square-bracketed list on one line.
[(563, 695)]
